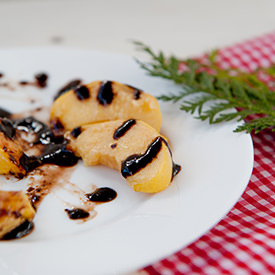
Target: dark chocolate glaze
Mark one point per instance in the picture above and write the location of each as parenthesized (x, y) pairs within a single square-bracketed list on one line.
[(57, 127), (77, 213), (76, 132), (137, 92), (105, 93), (176, 167), (22, 230), (4, 113), (34, 199), (24, 82), (34, 126), (72, 85), (29, 163), (6, 127), (54, 150), (82, 92), (6, 84), (58, 154), (103, 194), (41, 80), (135, 163), (53, 153), (114, 145), (122, 130)]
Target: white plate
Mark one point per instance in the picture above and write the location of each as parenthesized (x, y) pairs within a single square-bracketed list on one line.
[(135, 229)]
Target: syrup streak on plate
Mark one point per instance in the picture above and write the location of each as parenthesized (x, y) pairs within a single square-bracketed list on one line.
[(135, 229)]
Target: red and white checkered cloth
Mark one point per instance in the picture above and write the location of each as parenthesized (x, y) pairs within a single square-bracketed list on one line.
[(244, 241)]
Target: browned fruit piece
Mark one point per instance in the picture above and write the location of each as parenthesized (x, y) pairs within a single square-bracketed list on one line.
[(102, 101), (15, 209), (10, 154), (132, 147)]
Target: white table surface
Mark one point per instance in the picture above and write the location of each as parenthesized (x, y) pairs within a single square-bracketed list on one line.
[(179, 27)]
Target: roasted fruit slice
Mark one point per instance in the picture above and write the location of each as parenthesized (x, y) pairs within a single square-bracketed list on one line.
[(10, 151), (102, 101), (16, 214), (131, 146)]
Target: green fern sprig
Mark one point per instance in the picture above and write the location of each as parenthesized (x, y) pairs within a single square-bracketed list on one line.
[(226, 90)]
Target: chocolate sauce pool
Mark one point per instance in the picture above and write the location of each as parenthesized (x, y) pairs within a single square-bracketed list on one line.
[(100, 195), (103, 194), (77, 213)]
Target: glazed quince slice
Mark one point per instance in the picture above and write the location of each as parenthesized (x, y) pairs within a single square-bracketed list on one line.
[(102, 101), (132, 147), (15, 211), (10, 151)]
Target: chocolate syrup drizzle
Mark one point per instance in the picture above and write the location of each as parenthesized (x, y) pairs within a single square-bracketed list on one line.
[(122, 130), (76, 132), (176, 167), (135, 163), (105, 93), (40, 81), (4, 113), (137, 94), (114, 145), (57, 127), (6, 127), (136, 91), (82, 92), (20, 231), (73, 84)]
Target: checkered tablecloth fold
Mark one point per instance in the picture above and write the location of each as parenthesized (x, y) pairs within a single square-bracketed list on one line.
[(244, 241)]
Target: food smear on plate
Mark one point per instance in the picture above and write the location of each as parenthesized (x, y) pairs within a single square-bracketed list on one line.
[(99, 195), (40, 80), (104, 122)]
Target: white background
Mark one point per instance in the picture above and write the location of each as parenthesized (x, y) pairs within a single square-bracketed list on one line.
[(178, 27)]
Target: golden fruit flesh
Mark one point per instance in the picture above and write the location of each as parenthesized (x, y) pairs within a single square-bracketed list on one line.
[(112, 143), (102, 101), (15, 209)]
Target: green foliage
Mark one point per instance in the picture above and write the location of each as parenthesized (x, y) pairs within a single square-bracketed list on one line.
[(225, 90)]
